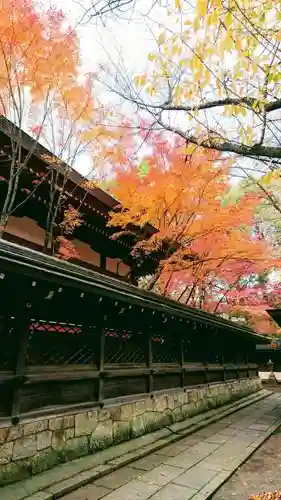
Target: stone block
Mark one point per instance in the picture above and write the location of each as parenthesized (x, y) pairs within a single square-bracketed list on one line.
[(6, 452), (85, 423), (160, 403), (121, 432), (222, 389), (152, 421), (115, 413), (44, 440), (192, 409), (177, 414), (186, 397), (75, 448), (68, 421), (196, 477), (193, 395), (176, 401), (55, 423), (24, 447), (211, 403), (14, 432), (58, 438), (14, 471), (181, 398), (41, 495), (69, 434), (162, 475), (168, 417), (174, 492), (140, 407), (137, 426), (201, 406), (170, 402), (104, 415), (184, 409), (118, 478), (149, 404), (215, 390), (127, 412), (35, 427), (45, 460), (3, 434), (102, 437), (200, 393)]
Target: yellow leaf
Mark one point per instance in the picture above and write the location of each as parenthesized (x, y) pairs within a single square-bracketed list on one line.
[(178, 4), (201, 7), (267, 178), (183, 63), (178, 91), (196, 24), (152, 57), (142, 80), (243, 112), (228, 19), (238, 44), (161, 38), (228, 42)]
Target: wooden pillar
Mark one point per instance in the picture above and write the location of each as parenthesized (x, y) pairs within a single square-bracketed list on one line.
[(103, 262), (150, 363), (224, 371), (182, 361), (22, 333), (237, 367), (206, 353), (101, 366)]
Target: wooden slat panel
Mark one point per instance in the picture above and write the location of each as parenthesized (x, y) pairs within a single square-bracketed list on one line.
[(115, 388), (230, 375), (166, 381), (194, 378), (215, 376), (51, 394)]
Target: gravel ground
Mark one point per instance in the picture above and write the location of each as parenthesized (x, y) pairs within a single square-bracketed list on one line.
[(262, 472)]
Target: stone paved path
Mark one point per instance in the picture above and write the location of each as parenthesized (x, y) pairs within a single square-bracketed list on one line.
[(194, 467)]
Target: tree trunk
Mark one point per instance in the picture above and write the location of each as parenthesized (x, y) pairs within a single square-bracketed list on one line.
[(3, 224)]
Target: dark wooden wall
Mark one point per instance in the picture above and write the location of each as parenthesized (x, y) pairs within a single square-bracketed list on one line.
[(69, 342)]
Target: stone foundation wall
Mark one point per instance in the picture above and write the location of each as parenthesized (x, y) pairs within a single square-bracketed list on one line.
[(34, 446)]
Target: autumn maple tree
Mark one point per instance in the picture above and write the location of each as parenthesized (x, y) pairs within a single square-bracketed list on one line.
[(205, 246), (44, 92), (37, 57)]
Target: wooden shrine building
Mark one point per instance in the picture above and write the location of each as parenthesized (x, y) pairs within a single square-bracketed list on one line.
[(73, 338), (26, 226)]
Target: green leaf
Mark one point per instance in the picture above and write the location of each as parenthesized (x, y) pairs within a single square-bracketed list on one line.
[(143, 169), (232, 197)]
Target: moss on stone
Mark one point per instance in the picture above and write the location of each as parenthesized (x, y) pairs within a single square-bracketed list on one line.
[(137, 427), (152, 421), (45, 460), (74, 448), (121, 432), (14, 471)]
